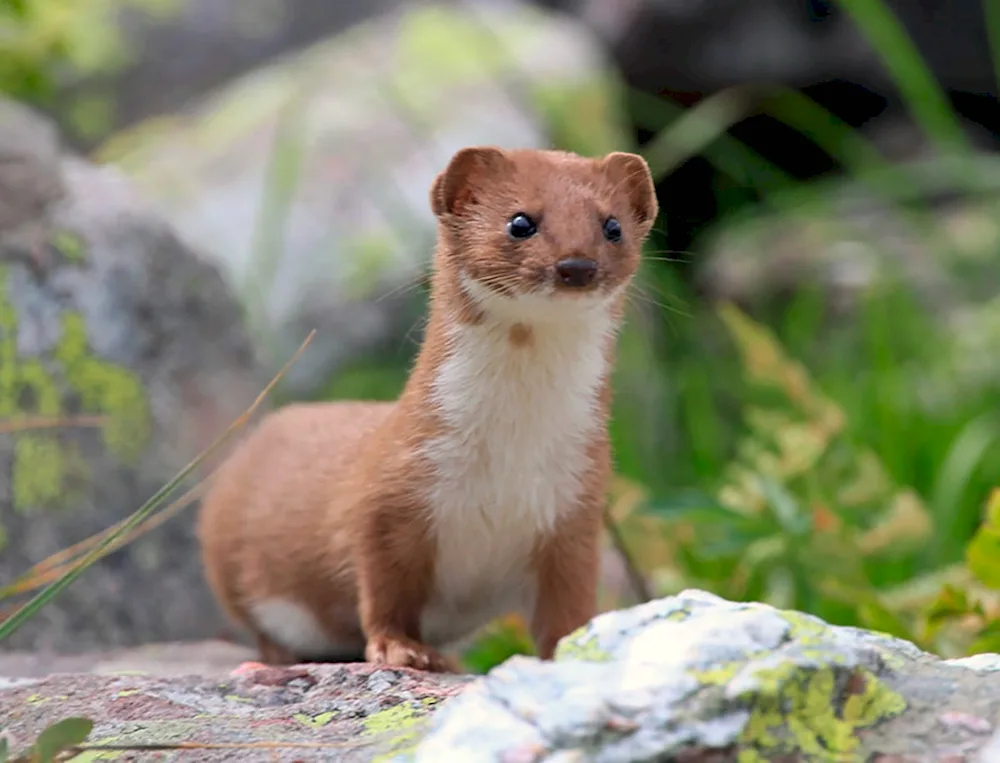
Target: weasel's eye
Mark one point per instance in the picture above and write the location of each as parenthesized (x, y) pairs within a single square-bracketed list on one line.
[(612, 230), (521, 226)]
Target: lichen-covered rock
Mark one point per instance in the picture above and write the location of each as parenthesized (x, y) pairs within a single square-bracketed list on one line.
[(104, 314), (696, 678), (259, 715), (691, 679), (307, 179)]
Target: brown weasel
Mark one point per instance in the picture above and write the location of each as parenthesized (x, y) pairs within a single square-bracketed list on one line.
[(391, 532)]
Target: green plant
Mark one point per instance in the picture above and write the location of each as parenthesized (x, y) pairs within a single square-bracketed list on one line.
[(54, 743), (40, 38)]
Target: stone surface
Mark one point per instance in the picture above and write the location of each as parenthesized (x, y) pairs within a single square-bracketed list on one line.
[(105, 313), (186, 47), (312, 712), (308, 179), (696, 678), (690, 678), (202, 658)]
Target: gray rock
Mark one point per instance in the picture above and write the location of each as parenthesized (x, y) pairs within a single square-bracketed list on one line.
[(694, 677), (344, 713), (307, 180), (187, 47), (104, 312)]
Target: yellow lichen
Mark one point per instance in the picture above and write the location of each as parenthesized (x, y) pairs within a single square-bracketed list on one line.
[(38, 471), (796, 708), (47, 471), (70, 246), (803, 715), (105, 388), (574, 647), (402, 724)]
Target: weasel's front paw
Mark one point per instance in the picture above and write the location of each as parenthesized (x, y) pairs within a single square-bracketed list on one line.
[(405, 653)]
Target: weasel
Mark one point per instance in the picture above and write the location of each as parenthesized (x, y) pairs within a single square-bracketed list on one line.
[(391, 532)]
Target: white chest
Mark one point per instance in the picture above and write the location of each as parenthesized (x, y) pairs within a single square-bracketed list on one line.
[(519, 420)]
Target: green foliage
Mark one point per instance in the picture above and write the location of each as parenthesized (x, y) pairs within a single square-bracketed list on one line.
[(42, 38), (983, 551), (54, 743), (504, 638)]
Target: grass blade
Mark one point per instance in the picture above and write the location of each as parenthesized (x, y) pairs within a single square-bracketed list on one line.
[(23, 614), (991, 15), (727, 154), (927, 101), (697, 128), (52, 567)]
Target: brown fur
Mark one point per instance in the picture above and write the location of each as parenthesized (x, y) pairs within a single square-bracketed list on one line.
[(324, 503)]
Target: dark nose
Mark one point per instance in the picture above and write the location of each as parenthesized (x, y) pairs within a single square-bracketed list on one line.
[(576, 271)]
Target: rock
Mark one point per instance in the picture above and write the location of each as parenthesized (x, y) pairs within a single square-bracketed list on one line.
[(691, 678), (311, 712), (174, 50), (202, 658), (696, 678), (104, 312), (307, 180)]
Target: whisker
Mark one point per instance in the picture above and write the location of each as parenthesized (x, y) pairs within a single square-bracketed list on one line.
[(670, 301), (419, 322), (405, 287), (675, 260)]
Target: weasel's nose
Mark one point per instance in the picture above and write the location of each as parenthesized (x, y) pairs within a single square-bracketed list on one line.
[(576, 271)]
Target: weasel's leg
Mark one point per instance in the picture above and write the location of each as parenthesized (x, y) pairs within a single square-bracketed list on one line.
[(567, 566), (395, 567), (272, 653)]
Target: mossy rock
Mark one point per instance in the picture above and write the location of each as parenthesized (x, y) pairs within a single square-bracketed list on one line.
[(114, 330), (695, 677)]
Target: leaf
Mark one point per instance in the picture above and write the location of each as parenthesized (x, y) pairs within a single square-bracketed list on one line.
[(983, 556), (59, 737), (983, 552), (951, 602), (987, 640), (993, 508), (4, 750), (906, 524), (785, 508), (697, 508), (877, 617), (504, 638)]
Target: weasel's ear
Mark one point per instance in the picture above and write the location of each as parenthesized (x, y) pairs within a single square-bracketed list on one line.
[(465, 179), (630, 173)]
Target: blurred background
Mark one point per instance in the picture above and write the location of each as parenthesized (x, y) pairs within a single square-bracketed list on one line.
[(807, 400)]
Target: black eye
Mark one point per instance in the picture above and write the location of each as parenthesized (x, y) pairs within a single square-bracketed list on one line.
[(521, 226), (612, 230)]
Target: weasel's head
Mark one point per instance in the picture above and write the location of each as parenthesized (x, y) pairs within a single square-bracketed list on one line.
[(533, 233)]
